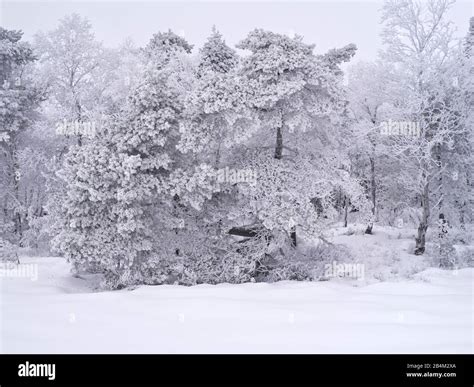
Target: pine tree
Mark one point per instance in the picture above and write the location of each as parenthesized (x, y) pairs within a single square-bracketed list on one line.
[(216, 56), (163, 46), (118, 187), (215, 124), (215, 117), (298, 97)]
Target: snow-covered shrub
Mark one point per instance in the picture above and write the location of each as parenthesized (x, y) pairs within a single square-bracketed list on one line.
[(291, 271), (350, 231), (8, 251), (465, 257), (210, 262), (36, 237), (223, 259), (307, 264)]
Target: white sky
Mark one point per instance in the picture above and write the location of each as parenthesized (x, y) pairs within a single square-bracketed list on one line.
[(328, 24)]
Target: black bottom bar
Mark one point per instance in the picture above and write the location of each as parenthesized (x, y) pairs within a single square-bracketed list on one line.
[(401, 370)]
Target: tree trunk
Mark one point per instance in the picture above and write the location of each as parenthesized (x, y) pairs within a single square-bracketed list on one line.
[(372, 193), (423, 226), (79, 118), (279, 144), (15, 176), (278, 156), (218, 155), (247, 232), (293, 236), (346, 207), (439, 164)]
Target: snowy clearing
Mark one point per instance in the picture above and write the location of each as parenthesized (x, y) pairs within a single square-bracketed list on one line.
[(432, 313)]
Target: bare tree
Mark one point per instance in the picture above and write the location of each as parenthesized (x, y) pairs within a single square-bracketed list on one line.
[(419, 41)]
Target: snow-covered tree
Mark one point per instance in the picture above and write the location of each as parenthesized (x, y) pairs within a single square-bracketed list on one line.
[(70, 65), (370, 93), (300, 100), (117, 184), (215, 116), (19, 100), (216, 56), (419, 42), (85, 83)]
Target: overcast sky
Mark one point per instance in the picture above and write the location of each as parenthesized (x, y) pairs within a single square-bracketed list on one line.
[(327, 24)]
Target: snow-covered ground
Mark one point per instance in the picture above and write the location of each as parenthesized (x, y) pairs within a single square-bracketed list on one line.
[(430, 313), (387, 254)]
